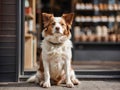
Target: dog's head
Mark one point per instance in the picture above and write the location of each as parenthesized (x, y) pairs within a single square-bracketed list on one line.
[(57, 27)]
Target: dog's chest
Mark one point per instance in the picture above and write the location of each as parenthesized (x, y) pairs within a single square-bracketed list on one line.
[(57, 54), (56, 68), (57, 57)]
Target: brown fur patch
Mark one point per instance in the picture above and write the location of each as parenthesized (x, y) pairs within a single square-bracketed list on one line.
[(41, 68), (65, 27), (46, 18), (68, 18), (67, 32), (48, 30)]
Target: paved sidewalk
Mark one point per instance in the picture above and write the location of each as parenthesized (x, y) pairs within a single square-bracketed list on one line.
[(85, 85)]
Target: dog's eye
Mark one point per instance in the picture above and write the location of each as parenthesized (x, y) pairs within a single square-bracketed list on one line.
[(62, 24), (53, 23)]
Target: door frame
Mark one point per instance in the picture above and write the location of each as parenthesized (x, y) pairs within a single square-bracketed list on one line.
[(22, 74), (20, 38)]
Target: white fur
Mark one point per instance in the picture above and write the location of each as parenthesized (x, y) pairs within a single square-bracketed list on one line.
[(35, 78), (56, 60), (57, 24)]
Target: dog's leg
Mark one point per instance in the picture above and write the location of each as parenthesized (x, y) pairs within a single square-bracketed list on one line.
[(67, 71), (74, 80), (46, 83)]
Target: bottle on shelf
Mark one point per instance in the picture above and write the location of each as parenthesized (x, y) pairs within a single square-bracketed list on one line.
[(98, 33), (105, 34), (76, 33)]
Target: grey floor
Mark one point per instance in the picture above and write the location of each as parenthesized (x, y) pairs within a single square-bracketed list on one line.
[(85, 85)]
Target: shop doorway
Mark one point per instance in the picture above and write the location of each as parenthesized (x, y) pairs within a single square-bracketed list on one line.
[(95, 33)]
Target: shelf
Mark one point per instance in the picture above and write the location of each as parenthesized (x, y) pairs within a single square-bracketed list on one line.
[(95, 22), (29, 16), (96, 18), (93, 10), (82, 24), (28, 35), (93, 48), (30, 39), (97, 43)]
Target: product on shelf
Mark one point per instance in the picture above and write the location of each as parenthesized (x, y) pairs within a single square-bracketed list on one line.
[(115, 6), (98, 33), (118, 37), (105, 6), (88, 6), (91, 38), (78, 6), (88, 19), (105, 38), (111, 18), (101, 7), (104, 18), (96, 8), (96, 19), (30, 24), (82, 6), (118, 6), (98, 38), (112, 38), (76, 33), (88, 31), (28, 9), (77, 19), (110, 7), (118, 18), (105, 34), (104, 31), (26, 27), (83, 19), (83, 38)]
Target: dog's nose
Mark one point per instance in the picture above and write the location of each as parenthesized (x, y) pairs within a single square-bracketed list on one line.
[(57, 28)]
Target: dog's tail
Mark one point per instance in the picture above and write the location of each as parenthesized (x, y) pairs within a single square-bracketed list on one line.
[(35, 78), (32, 79)]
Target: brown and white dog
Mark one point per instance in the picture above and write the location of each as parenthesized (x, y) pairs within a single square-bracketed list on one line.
[(56, 53)]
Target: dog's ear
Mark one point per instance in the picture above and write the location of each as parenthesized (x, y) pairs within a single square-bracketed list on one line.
[(68, 18), (46, 18)]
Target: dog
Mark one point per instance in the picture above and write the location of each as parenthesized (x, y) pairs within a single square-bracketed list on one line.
[(56, 54)]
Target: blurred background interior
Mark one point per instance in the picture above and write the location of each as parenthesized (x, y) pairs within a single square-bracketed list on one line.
[(95, 31)]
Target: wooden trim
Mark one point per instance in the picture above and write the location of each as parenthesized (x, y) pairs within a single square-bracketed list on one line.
[(31, 41)]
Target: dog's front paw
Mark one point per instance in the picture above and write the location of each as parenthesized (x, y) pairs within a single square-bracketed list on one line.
[(41, 83), (70, 85), (75, 81), (46, 84)]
